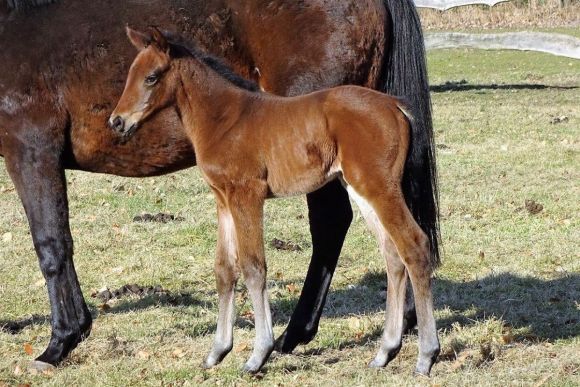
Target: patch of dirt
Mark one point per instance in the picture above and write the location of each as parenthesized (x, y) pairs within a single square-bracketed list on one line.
[(533, 207), (284, 245), (158, 218), (558, 120), (106, 295)]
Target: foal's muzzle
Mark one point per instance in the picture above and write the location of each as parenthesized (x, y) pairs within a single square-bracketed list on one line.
[(119, 125)]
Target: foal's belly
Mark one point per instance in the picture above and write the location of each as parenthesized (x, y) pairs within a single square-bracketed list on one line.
[(301, 171)]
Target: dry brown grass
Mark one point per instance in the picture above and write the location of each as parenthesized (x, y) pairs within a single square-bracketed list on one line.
[(506, 15)]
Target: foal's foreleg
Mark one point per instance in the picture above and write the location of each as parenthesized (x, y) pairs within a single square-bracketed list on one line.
[(226, 277), (247, 212)]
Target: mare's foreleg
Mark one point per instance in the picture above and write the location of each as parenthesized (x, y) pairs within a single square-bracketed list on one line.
[(247, 211), (34, 165), (226, 276), (330, 216)]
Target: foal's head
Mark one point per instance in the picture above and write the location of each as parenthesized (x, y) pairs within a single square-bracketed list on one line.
[(150, 84)]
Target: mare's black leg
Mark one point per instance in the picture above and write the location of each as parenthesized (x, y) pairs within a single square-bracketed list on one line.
[(330, 215), (39, 178)]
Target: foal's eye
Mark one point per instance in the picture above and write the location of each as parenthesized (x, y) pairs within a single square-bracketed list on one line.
[(151, 79)]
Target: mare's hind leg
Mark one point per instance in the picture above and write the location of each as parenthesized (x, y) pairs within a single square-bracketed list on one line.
[(33, 162), (246, 206), (413, 247), (397, 280), (226, 277), (330, 215)]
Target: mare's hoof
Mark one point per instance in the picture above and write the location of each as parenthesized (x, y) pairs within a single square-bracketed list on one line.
[(288, 341), (37, 366), (283, 344)]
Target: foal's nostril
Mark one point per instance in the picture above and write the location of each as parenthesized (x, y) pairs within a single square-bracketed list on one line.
[(117, 123)]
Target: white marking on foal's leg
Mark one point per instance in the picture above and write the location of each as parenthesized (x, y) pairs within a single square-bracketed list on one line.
[(223, 340), (264, 341), (393, 328)]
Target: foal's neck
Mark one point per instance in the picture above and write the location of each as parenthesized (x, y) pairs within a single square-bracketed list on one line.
[(209, 105)]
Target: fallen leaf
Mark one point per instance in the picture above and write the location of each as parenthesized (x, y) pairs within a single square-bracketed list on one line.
[(178, 353), (248, 314), (7, 237), (292, 288), (462, 358), (28, 349), (507, 338), (39, 283), (143, 355), (17, 370), (241, 348), (104, 307), (117, 270)]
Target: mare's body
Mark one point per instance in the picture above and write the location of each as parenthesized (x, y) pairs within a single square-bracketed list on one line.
[(58, 85), (251, 146)]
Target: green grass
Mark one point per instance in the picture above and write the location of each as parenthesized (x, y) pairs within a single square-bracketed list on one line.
[(507, 295)]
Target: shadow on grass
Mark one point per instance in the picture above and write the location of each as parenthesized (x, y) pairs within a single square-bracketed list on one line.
[(546, 309), (464, 86), (17, 326)]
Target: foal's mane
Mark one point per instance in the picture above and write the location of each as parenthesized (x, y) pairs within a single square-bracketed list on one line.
[(23, 4), (179, 48)]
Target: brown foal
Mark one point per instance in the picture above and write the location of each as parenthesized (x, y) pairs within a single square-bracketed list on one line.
[(251, 146)]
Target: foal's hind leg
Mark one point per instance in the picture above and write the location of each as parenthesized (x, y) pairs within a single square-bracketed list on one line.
[(226, 277), (413, 247), (246, 207), (397, 279)]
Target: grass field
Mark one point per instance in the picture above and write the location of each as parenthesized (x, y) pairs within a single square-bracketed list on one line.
[(507, 295)]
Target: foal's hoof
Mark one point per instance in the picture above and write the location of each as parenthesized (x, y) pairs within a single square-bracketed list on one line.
[(258, 359), (37, 366), (424, 365), (211, 361), (252, 367), (377, 363), (217, 354), (422, 373)]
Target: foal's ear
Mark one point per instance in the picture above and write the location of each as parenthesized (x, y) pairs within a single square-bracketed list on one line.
[(139, 39), (159, 40)]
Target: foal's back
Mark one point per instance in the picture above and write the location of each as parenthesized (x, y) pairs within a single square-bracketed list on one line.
[(301, 142)]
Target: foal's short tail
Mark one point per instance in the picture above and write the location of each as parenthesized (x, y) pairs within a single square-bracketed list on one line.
[(405, 74)]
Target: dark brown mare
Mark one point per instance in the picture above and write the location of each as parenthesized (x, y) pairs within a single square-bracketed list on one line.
[(251, 146), (55, 99)]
